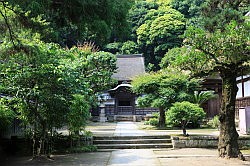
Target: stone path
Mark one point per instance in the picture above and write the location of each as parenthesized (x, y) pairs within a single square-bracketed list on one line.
[(137, 157), (128, 129), (131, 157)]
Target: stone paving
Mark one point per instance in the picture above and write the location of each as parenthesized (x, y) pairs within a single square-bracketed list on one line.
[(128, 129), (132, 157)]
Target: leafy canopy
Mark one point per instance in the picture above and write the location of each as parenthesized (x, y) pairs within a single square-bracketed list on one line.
[(181, 113), (163, 88)]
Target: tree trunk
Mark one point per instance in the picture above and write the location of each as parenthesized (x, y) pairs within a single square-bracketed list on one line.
[(162, 118), (183, 124), (228, 139)]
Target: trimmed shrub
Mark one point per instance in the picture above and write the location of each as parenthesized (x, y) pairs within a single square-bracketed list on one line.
[(182, 113)]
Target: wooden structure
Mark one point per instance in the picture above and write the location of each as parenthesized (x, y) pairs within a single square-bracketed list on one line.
[(124, 103), (212, 106), (121, 100)]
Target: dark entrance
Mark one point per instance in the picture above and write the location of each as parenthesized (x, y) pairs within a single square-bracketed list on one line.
[(124, 100)]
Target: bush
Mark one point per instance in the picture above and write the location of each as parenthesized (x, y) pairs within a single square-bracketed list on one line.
[(215, 122), (89, 148), (182, 113), (129, 47), (153, 121), (6, 114), (156, 115)]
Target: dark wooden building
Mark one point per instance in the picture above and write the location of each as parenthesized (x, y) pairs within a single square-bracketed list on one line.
[(212, 106), (120, 100)]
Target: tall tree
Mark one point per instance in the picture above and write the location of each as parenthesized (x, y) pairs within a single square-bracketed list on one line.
[(54, 86), (156, 27), (162, 89), (70, 22), (224, 49)]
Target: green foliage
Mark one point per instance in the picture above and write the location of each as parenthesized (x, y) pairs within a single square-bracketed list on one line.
[(71, 21), (161, 32), (181, 113), (114, 48), (211, 52), (79, 113), (202, 97), (215, 122), (162, 89), (216, 14), (190, 8), (137, 14), (156, 114), (6, 114), (54, 86), (156, 27), (88, 148), (188, 59), (153, 121), (129, 47)]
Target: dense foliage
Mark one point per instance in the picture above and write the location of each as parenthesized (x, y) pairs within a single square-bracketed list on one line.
[(156, 27), (70, 22), (220, 45), (182, 113), (162, 89), (47, 86)]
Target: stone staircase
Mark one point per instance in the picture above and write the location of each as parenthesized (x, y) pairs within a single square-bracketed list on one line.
[(132, 142), (123, 118)]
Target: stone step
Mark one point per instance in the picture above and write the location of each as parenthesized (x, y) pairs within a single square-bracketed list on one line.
[(123, 117), (133, 146), (132, 141), (131, 137)]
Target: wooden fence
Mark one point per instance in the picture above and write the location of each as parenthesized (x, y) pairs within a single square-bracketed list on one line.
[(127, 110)]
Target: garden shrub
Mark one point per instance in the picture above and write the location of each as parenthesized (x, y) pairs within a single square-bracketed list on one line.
[(153, 121), (215, 122), (182, 113)]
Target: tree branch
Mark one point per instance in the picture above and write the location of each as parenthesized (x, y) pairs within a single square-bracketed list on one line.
[(7, 24), (211, 55)]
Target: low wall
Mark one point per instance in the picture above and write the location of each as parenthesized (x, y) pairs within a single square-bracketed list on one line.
[(203, 142)]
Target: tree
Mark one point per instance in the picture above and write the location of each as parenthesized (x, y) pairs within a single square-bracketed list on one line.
[(7, 115), (137, 15), (47, 81), (129, 47), (162, 89), (156, 27), (161, 32), (56, 86), (181, 113), (189, 8), (68, 22), (223, 49)]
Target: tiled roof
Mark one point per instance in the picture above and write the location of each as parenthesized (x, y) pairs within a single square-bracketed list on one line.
[(129, 66)]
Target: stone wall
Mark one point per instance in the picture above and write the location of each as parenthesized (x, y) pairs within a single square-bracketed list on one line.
[(203, 142)]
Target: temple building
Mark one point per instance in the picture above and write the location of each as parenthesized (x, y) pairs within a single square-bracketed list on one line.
[(120, 101)]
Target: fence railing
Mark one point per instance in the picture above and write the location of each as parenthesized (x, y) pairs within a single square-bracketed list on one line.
[(124, 110), (128, 110), (144, 111)]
